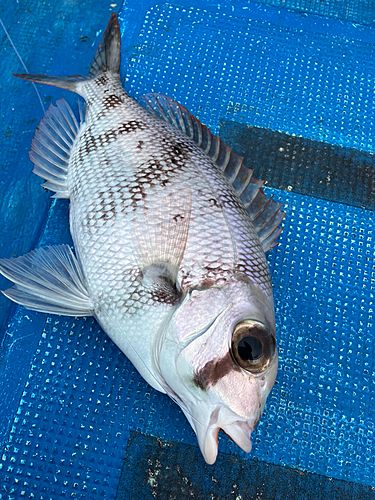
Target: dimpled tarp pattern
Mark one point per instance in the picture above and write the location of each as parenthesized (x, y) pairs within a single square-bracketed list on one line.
[(70, 398)]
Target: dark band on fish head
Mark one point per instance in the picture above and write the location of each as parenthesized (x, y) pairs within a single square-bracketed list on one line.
[(213, 371)]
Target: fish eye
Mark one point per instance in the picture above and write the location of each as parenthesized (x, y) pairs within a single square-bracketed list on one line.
[(253, 346)]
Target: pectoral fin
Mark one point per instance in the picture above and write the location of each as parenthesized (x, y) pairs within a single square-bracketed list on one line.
[(48, 280), (161, 235), (162, 230)]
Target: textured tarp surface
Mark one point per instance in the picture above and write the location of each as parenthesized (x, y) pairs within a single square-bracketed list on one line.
[(70, 399), (165, 469), (358, 12)]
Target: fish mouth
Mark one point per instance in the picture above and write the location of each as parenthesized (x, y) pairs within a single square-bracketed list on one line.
[(239, 431)]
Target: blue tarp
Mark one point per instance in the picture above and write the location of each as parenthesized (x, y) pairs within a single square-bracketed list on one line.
[(70, 400)]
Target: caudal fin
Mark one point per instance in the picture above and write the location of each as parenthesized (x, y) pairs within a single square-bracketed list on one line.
[(107, 59), (64, 82)]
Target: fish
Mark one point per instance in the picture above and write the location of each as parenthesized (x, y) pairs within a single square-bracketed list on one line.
[(170, 230)]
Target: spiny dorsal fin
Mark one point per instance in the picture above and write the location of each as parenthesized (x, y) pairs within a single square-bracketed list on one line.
[(265, 213), (52, 145), (48, 280), (107, 57)]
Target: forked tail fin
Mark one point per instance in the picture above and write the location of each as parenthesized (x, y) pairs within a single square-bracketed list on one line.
[(107, 57), (106, 60)]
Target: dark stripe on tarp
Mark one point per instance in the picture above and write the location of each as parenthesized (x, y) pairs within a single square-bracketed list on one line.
[(305, 166), (154, 468)]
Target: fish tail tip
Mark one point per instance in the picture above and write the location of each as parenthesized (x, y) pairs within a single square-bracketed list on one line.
[(64, 82), (107, 57), (22, 76), (113, 20), (113, 24)]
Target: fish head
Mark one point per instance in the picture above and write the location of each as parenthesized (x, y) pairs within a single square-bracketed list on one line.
[(218, 359)]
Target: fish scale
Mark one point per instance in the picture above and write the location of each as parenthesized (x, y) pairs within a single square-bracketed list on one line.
[(128, 185), (170, 231)]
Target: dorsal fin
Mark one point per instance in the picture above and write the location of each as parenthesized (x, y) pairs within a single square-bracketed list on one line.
[(265, 213)]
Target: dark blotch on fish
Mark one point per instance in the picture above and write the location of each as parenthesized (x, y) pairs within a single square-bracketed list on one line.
[(110, 102), (124, 128), (102, 79), (160, 284), (176, 153), (213, 371), (155, 172), (138, 193), (91, 143), (88, 144), (159, 170), (214, 203), (165, 296), (178, 217)]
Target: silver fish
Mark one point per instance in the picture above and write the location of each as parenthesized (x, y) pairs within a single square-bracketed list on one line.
[(170, 231)]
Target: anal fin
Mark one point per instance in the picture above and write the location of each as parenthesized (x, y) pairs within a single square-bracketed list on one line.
[(52, 145), (48, 280)]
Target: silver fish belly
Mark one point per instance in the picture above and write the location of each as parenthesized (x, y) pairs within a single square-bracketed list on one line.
[(170, 231)]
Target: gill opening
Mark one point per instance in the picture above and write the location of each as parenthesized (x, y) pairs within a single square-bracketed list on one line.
[(174, 397)]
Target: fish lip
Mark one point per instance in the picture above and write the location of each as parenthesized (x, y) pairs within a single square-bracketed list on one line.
[(238, 430), (210, 445)]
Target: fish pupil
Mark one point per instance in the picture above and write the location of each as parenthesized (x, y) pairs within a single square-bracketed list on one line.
[(249, 349)]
